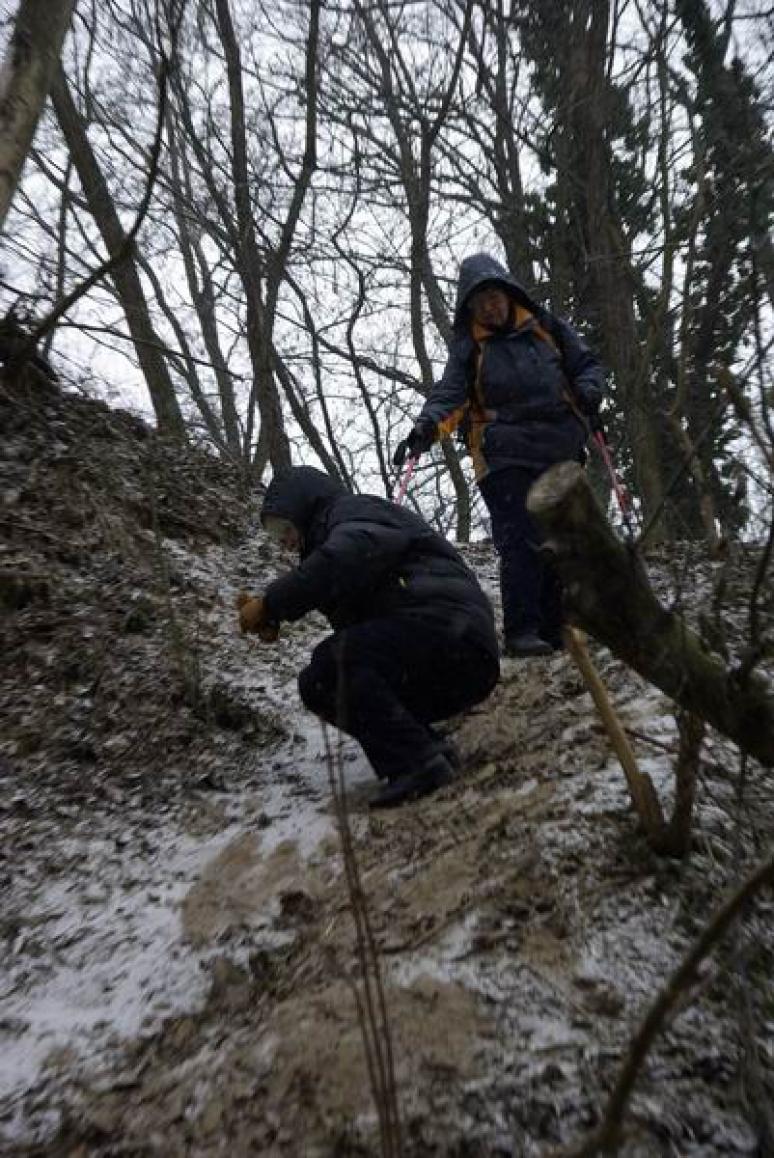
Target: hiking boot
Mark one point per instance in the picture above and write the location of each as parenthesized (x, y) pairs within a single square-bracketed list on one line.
[(447, 748), (526, 644), (451, 752), (434, 774)]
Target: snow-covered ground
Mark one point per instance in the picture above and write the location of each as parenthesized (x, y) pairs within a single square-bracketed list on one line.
[(179, 957)]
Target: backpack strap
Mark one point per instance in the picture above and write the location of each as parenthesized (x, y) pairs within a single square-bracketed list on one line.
[(521, 317)]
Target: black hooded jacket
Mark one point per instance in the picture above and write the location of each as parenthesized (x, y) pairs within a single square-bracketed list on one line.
[(517, 391), (363, 557)]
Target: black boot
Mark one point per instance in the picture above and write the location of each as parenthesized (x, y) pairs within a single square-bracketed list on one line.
[(527, 643), (447, 748), (553, 633), (432, 775)]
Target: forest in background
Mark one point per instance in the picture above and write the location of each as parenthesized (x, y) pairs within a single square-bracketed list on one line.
[(286, 190)]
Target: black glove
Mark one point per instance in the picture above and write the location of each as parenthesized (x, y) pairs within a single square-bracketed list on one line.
[(589, 399), (420, 438)]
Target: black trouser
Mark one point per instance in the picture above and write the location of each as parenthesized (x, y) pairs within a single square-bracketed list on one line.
[(385, 680), (530, 588)]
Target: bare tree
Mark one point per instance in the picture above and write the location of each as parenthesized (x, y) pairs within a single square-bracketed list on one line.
[(398, 121), (148, 345), (25, 78), (326, 168)]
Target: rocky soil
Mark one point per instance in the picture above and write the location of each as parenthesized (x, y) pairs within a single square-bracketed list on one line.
[(179, 961)]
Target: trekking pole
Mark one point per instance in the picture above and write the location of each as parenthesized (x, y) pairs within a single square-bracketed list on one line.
[(404, 482), (620, 493), (596, 434)]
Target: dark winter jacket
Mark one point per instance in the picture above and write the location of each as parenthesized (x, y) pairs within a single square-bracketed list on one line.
[(517, 391), (364, 558)]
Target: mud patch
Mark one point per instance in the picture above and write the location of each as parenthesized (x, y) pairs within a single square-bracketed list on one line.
[(242, 886), (319, 1063)]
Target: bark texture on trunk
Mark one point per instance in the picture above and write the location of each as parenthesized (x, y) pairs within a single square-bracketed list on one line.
[(25, 79), (148, 345), (608, 595)]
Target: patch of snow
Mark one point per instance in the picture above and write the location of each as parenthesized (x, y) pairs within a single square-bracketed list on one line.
[(110, 962), (114, 961)]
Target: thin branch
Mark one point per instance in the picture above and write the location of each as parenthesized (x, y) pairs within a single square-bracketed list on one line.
[(607, 1138)]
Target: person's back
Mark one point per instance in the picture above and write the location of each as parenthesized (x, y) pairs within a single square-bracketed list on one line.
[(376, 559), (414, 638)]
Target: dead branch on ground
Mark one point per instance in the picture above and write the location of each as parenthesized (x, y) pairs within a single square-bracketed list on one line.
[(607, 1138)]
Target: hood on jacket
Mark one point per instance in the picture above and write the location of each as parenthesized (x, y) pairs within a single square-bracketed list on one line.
[(481, 269), (299, 494)]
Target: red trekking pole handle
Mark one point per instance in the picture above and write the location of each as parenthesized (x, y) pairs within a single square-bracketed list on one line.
[(404, 482)]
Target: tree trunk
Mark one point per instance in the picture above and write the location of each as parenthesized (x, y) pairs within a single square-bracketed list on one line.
[(25, 79), (593, 231), (416, 174), (200, 287), (608, 595), (509, 216), (259, 321), (738, 192), (126, 278)]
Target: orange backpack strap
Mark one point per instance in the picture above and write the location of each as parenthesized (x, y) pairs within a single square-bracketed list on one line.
[(479, 417), (547, 336)]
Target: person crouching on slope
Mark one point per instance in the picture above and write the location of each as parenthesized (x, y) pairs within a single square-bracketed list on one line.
[(413, 633), (525, 388)]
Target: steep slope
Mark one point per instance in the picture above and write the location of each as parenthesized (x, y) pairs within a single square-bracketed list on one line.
[(179, 954)]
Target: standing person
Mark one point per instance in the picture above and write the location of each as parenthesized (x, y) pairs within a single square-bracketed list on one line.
[(414, 637), (525, 387)]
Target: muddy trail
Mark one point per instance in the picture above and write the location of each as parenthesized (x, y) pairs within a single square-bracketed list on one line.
[(179, 961)]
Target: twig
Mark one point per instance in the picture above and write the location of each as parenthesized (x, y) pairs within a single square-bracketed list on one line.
[(692, 729), (607, 1139), (377, 1040), (643, 794), (645, 737)]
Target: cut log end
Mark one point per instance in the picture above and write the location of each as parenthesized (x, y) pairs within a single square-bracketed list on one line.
[(562, 491), (608, 594)]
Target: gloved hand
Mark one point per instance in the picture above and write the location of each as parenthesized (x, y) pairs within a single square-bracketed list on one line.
[(253, 617), (589, 400), (419, 440)]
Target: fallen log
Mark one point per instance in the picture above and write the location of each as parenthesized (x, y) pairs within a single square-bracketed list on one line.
[(608, 595)]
